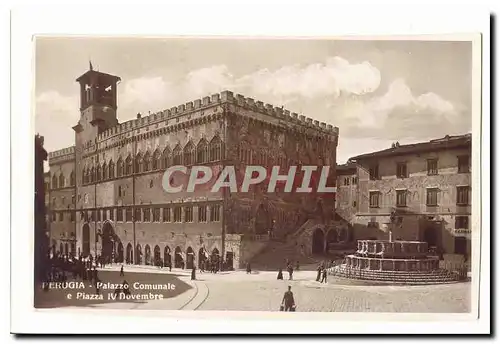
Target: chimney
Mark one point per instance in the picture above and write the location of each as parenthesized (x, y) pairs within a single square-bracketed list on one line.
[(138, 115)]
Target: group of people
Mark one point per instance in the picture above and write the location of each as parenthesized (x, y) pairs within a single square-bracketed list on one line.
[(61, 266), (322, 273)]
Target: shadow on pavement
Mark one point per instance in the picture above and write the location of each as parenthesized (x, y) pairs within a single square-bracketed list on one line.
[(83, 294)]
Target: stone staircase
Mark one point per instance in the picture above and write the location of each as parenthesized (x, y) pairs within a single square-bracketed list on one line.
[(308, 224), (274, 256), (438, 276), (295, 247)]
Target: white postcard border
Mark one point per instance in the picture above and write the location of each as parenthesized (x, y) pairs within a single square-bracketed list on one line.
[(225, 20)]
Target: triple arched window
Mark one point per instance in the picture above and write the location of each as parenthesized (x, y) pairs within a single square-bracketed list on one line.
[(166, 158), (216, 149), (62, 181), (189, 152), (119, 167), (54, 182), (202, 152), (156, 160)]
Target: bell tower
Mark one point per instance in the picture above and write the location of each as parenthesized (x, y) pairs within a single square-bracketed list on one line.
[(98, 100)]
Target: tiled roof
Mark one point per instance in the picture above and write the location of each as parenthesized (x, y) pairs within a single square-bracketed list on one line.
[(447, 142), (346, 168)]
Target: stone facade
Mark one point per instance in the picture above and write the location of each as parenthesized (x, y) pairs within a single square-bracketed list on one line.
[(107, 195), (427, 185)]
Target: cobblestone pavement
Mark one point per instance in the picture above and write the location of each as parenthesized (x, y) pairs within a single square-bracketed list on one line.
[(264, 293), (260, 291)]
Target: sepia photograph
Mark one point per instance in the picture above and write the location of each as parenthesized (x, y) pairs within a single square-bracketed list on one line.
[(256, 175), (168, 181)]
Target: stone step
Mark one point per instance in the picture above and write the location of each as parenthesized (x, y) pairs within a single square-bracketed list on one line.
[(431, 278)]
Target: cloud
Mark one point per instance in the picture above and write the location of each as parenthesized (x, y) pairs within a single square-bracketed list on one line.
[(331, 78), (286, 85), (399, 113), (55, 115)]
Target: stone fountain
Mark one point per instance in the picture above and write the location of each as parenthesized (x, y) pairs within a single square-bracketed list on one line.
[(393, 262)]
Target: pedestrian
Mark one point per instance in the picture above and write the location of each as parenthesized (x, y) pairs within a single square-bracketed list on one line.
[(249, 268), (290, 272), (318, 275), (280, 274), (121, 271), (297, 265), (288, 303), (193, 273), (324, 274)]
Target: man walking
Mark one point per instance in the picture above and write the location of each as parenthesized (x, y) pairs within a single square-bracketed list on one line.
[(324, 274), (288, 302)]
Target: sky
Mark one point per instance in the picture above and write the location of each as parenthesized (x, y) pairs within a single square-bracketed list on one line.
[(376, 92)]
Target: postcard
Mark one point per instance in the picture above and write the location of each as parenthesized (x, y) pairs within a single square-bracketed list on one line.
[(256, 175)]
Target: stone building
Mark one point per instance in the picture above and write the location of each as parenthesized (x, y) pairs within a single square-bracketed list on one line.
[(347, 191), (427, 185), (106, 193), (41, 245)]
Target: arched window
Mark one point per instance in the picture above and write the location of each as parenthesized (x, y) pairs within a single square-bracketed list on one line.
[(177, 155), (127, 166), (119, 167), (54, 182), (189, 154), (104, 171), (84, 175), (61, 180), (87, 175), (111, 169), (166, 158), (156, 160), (98, 173), (147, 162), (92, 174), (202, 152), (216, 149), (72, 178), (138, 163)]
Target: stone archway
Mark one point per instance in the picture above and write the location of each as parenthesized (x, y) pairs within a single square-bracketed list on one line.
[(178, 260), (66, 248), (138, 254), (189, 258), (120, 253), (147, 256), (130, 254), (318, 241), (86, 240), (262, 220), (157, 256), (61, 248), (167, 258), (108, 242)]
